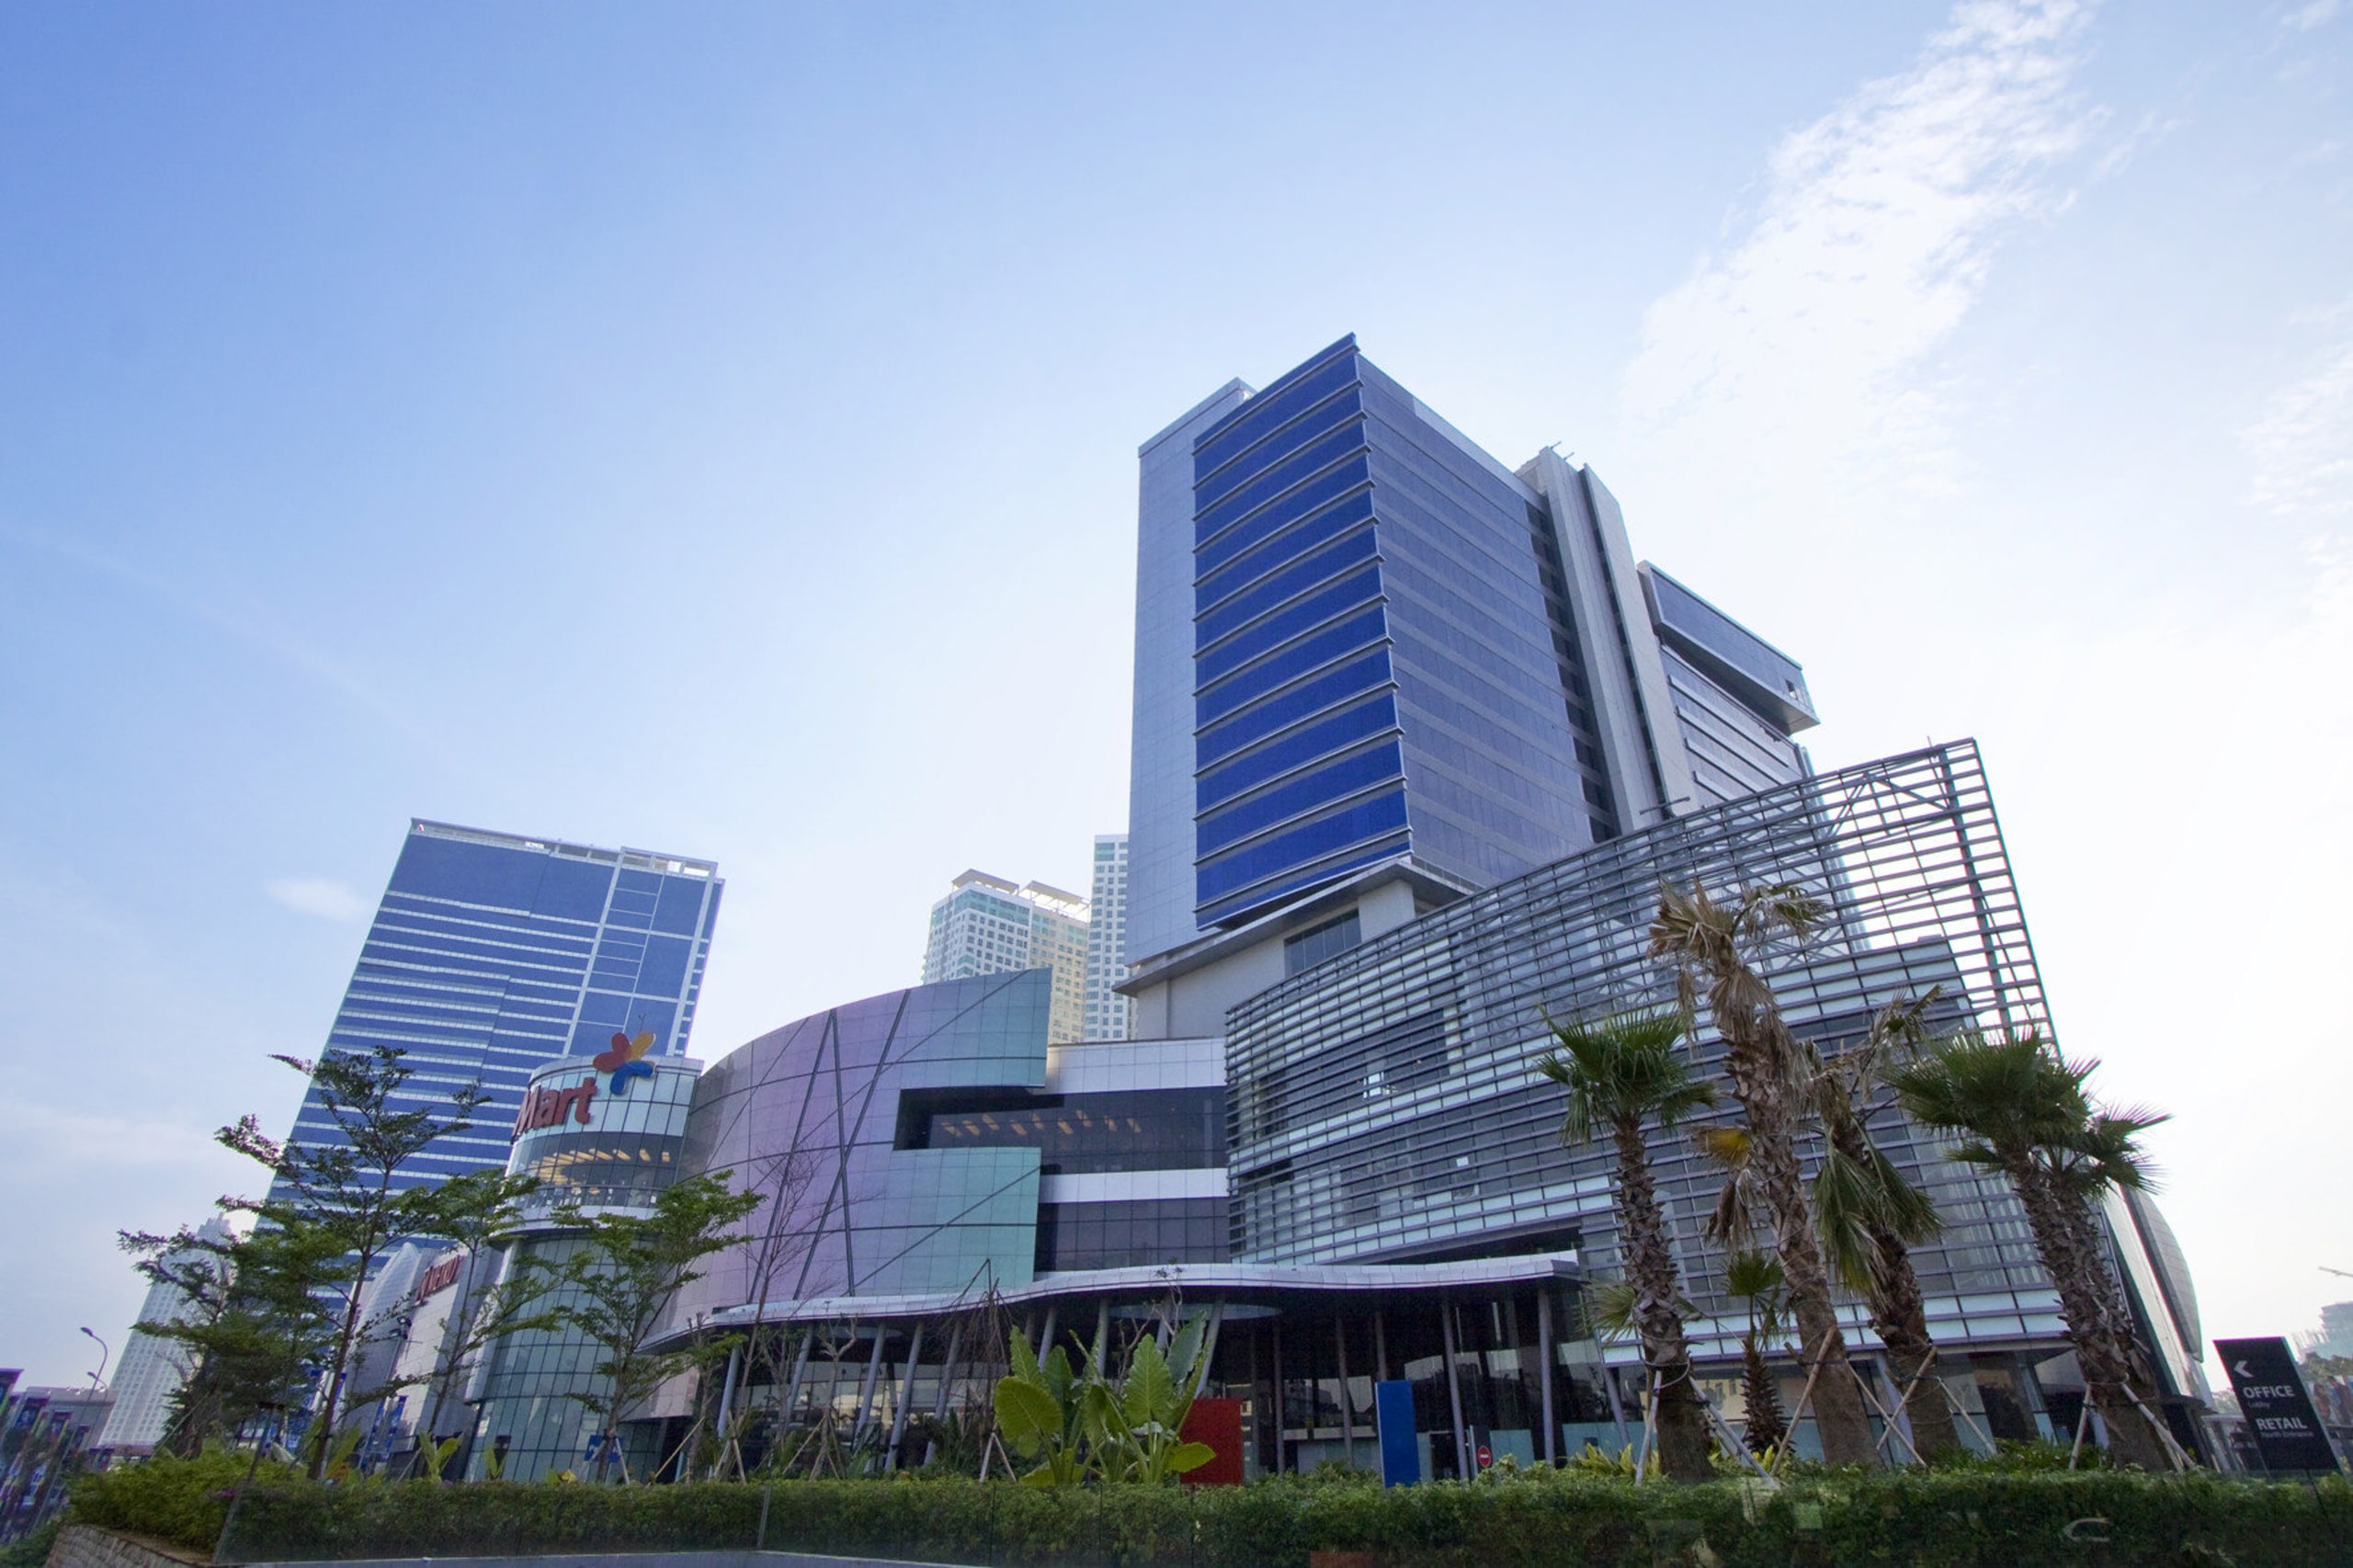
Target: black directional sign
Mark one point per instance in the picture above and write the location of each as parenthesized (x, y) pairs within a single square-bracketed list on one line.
[(2278, 1411)]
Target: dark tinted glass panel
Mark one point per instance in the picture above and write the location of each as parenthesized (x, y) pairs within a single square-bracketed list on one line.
[(1130, 1234), (1305, 744), (616, 1168), (1329, 940), (1138, 1129)]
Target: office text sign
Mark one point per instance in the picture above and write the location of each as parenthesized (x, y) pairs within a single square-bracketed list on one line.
[(2278, 1411)]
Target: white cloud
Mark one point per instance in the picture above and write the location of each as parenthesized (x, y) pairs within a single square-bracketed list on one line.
[(2302, 447), (320, 897), (1872, 239), (2303, 18)]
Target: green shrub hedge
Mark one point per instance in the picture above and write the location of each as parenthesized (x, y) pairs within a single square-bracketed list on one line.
[(175, 1500), (1931, 1520)]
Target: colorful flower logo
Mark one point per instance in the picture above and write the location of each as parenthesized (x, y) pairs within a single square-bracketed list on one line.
[(622, 1061)]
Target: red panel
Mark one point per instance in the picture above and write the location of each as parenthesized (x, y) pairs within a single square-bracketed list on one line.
[(1218, 1423)]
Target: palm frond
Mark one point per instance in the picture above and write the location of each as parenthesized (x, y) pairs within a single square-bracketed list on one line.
[(1622, 1068)]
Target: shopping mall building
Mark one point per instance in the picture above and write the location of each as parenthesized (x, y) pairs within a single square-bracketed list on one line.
[(1416, 743)]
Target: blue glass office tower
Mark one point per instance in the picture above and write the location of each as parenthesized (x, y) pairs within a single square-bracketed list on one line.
[(1362, 642), (492, 954)]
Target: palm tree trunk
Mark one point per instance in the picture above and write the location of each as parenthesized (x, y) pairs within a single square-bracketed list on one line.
[(1752, 1063), (2098, 1326), (1768, 1427), (1682, 1442), (1901, 1317)]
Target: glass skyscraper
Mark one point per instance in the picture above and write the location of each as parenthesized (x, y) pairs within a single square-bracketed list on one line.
[(1361, 640), (492, 954)]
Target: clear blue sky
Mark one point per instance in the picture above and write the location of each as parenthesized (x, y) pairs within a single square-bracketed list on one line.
[(712, 429)]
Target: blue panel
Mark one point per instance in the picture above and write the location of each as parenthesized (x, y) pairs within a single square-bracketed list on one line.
[(663, 972), (1276, 712), (1276, 480), (469, 873), (1332, 782), (681, 905), (1321, 491), (1309, 841), (1289, 545), (573, 889), (1289, 583), (1268, 894), (1400, 1453), (1301, 745), (1308, 653), (640, 882), (1304, 419), (1280, 403), (1285, 624)]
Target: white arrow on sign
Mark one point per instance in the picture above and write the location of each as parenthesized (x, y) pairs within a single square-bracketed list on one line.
[(2241, 1369)]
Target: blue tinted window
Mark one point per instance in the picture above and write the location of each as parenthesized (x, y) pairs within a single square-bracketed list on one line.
[(1290, 582), (680, 907), (1307, 653), (1316, 455), (469, 873), (1278, 442), (1264, 895), (1278, 712), (1289, 545), (1309, 841), (1301, 745), (1321, 491), (1280, 403), (1286, 623), (1332, 782), (665, 968)]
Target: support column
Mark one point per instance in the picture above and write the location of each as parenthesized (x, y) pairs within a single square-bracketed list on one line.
[(1454, 1392), (865, 1389), (906, 1396), (1276, 1331), (947, 1379), (1348, 1395), (799, 1367), (1544, 1355)]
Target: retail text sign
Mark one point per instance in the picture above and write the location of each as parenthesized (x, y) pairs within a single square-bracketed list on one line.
[(2278, 1411), (551, 1107)]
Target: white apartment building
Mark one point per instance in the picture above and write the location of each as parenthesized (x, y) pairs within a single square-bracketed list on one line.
[(1109, 1014), (150, 1370), (986, 924)]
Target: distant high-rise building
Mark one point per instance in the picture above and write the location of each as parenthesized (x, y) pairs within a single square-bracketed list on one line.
[(150, 1370), (986, 924), (1109, 1014), (492, 954)]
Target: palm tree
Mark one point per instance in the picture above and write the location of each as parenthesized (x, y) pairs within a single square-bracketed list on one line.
[(1755, 1280), (1871, 1214), (2024, 1112), (1621, 1072), (1711, 943)]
